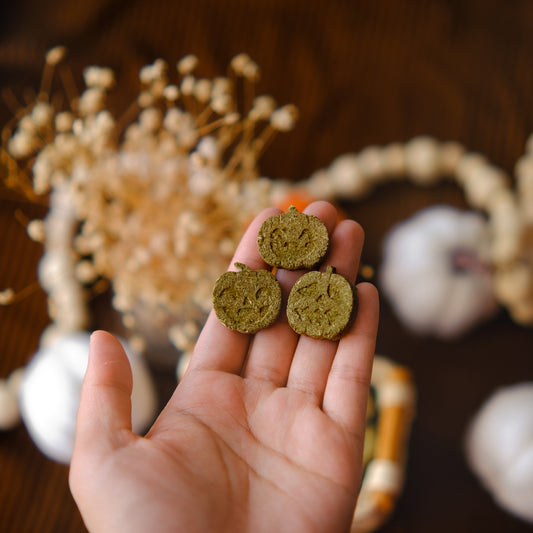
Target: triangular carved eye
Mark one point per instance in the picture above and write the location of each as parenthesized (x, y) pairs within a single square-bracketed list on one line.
[(247, 300), (322, 305), (293, 240)]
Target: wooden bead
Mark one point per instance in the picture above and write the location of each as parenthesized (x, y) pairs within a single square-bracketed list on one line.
[(513, 284), (469, 164), (394, 164), (506, 226), (522, 313), (480, 184), (450, 155), (280, 189), (35, 230), (422, 160), (529, 144), (370, 163), (347, 178), (9, 409), (320, 185), (524, 178), (14, 380), (524, 166)]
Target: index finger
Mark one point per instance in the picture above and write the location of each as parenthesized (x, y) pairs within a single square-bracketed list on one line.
[(218, 347)]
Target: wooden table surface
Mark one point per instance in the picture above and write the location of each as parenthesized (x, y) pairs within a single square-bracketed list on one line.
[(361, 73)]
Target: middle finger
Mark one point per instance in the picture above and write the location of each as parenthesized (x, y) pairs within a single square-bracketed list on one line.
[(271, 352)]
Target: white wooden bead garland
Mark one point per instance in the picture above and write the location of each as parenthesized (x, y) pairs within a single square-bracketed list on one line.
[(425, 161)]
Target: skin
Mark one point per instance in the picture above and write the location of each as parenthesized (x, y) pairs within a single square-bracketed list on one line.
[(264, 432)]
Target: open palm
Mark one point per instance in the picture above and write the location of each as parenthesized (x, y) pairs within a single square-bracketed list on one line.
[(264, 432)]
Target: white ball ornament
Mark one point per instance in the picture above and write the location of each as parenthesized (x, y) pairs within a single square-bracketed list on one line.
[(499, 448), (50, 393), (434, 272)]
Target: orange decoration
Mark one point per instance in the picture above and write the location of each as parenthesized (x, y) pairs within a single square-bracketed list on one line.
[(301, 199)]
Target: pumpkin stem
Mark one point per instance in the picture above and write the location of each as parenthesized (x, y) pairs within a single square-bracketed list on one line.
[(326, 278), (330, 270), (242, 267)]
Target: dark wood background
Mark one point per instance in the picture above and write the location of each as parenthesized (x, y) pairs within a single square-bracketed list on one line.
[(361, 73)]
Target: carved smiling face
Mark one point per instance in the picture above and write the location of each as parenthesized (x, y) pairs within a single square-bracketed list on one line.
[(248, 300), (293, 240), (322, 305)]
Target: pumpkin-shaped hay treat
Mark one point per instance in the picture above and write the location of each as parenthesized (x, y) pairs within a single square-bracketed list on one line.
[(247, 300), (322, 305), (293, 240)]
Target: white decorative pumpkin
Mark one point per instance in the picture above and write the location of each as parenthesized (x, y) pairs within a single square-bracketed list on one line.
[(499, 448), (434, 271), (50, 393)]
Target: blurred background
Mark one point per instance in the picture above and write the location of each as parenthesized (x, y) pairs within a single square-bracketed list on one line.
[(361, 73)]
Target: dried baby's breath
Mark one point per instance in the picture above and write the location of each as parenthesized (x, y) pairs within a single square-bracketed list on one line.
[(160, 201)]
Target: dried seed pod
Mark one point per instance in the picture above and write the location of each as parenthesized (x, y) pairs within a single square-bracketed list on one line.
[(293, 240), (322, 305), (248, 300)]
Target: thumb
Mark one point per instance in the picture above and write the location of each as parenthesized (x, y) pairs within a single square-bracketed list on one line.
[(104, 413)]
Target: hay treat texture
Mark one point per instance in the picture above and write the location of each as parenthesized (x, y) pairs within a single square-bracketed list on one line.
[(293, 240), (322, 305), (248, 300)]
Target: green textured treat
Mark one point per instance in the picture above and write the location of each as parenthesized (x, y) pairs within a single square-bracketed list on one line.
[(247, 300), (293, 240), (322, 305)]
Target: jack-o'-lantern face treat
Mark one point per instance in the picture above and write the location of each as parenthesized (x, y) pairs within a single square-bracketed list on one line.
[(322, 305), (293, 240), (247, 300)]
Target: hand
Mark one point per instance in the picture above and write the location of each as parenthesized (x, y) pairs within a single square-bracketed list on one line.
[(263, 433)]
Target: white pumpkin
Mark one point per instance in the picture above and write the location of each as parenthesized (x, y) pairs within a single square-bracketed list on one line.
[(50, 393), (499, 448), (434, 271)]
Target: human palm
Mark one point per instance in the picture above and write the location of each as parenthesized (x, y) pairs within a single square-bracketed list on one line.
[(263, 433)]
